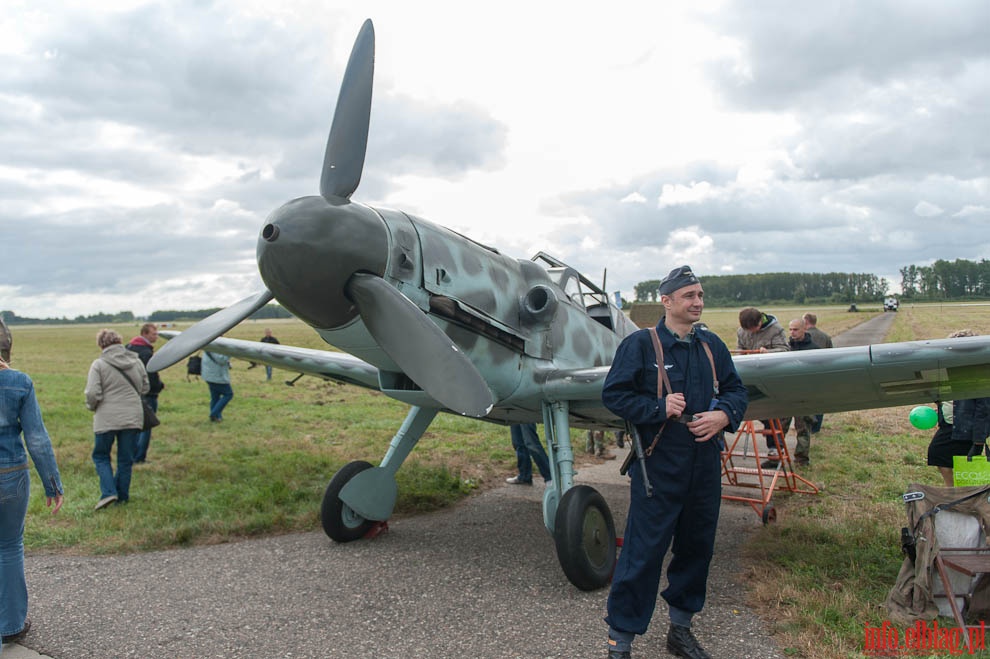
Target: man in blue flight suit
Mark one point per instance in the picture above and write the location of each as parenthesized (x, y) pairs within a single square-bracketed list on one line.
[(681, 434)]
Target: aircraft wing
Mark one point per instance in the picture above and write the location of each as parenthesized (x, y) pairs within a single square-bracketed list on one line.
[(865, 377), (338, 366), (818, 381)]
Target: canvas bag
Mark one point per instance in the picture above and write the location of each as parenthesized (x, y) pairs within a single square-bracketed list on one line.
[(150, 418), (966, 472), (911, 597)]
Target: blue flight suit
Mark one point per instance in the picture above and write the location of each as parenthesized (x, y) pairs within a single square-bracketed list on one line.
[(685, 474)]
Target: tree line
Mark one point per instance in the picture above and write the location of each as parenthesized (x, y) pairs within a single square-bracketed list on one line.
[(267, 312), (797, 287), (944, 280)]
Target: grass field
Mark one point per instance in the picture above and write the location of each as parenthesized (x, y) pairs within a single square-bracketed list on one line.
[(818, 575)]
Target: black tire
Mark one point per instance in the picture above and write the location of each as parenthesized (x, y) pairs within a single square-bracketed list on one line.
[(769, 515), (585, 537), (340, 522)]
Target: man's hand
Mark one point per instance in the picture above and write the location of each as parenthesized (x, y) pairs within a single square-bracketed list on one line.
[(706, 424), (675, 404), (975, 449)]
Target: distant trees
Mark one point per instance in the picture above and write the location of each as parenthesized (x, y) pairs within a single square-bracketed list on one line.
[(944, 280), (798, 287), (268, 311), (647, 291), (11, 318)]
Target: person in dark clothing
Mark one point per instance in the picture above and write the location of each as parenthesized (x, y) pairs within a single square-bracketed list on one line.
[(526, 443), (268, 338), (822, 340), (801, 340), (682, 428), (963, 427), (142, 345)]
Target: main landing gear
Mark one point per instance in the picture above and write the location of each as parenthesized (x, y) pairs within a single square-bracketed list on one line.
[(361, 497), (585, 537), (340, 522)]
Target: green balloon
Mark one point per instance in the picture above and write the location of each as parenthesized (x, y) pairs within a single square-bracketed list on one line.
[(923, 417)]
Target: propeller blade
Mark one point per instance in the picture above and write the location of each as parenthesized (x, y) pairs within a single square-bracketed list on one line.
[(348, 141), (206, 330), (419, 347)]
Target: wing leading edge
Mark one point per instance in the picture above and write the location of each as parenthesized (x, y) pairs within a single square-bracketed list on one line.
[(338, 366), (819, 381), (779, 384)]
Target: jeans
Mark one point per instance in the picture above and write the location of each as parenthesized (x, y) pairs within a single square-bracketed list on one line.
[(220, 395), (119, 485), (144, 437), (529, 450), (15, 488), (268, 372)]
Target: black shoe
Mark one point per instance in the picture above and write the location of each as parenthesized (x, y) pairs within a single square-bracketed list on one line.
[(27, 627), (802, 460), (682, 643), (769, 464), (618, 654)]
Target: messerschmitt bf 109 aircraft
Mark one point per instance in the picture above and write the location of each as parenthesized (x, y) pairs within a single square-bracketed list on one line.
[(445, 324)]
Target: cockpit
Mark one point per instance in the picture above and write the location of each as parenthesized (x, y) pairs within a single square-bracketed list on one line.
[(580, 291)]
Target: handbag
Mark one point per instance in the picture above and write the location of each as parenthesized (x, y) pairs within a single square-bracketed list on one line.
[(150, 418)]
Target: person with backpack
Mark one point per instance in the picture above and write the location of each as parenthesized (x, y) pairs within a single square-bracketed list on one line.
[(116, 382), (142, 345), (677, 385), (216, 373)]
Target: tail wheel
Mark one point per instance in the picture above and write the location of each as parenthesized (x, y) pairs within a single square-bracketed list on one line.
[(585, 537), (340, 522)]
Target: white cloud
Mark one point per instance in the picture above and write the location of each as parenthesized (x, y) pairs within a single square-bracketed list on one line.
[(926, 209), (147, 137)]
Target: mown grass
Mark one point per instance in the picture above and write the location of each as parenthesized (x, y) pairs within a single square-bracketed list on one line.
[(263, 470), (819, 574)]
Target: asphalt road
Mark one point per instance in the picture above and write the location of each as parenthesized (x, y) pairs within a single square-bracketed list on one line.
[(480, 579)]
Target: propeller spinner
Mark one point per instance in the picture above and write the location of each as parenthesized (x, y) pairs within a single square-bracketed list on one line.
[(323, 259)]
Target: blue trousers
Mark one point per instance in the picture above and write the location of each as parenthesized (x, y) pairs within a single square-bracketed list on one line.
[(687, 493), (220, 395), (529, 450), (15, 490), (118, 485)]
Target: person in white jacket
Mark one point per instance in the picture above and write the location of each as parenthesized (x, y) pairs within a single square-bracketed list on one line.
[(117, 381)]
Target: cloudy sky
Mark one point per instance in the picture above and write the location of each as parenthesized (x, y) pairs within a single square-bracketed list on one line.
[(143, 144)]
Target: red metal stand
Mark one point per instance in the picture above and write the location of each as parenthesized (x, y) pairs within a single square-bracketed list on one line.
[(744, 449)]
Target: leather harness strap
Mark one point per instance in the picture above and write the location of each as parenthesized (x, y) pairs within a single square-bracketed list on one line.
[(664, 381)]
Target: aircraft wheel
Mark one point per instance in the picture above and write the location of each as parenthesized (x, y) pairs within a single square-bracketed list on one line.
[(769, 515), (340, 522), (585, 537)]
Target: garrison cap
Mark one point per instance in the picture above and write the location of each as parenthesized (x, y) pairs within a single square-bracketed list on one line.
[(678, 278)]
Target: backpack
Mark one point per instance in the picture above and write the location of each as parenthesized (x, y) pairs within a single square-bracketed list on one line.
[(194, 366)]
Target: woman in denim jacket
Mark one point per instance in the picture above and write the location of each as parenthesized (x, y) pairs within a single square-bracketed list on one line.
[(20, 413)]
